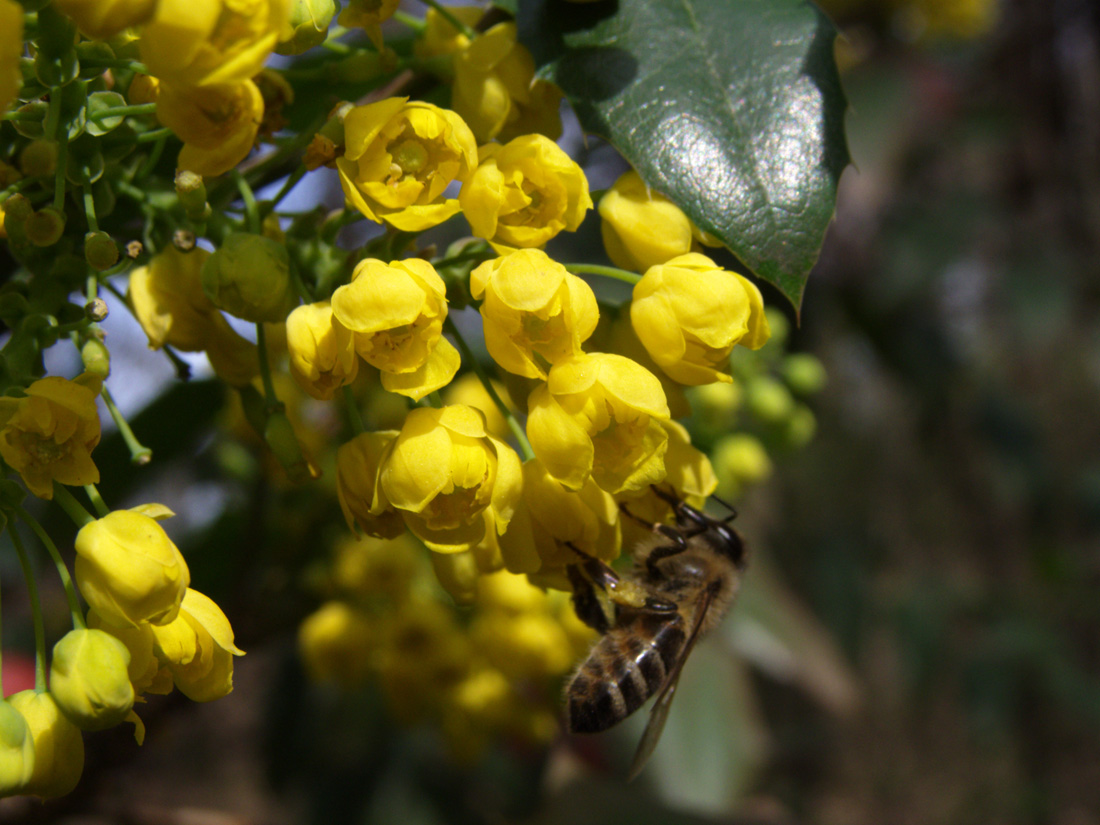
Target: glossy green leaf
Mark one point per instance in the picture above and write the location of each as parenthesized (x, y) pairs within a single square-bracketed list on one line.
[(731, 108)]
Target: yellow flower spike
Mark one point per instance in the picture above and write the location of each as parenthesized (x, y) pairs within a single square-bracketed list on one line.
[(16, 751), (335, 643), (145, 670), (689, 314), (524, 193), (129, 571), (49, 434), (452, 481), (496, 92), (217, 123), (202, 669), (641, 228), (89, 679), (535, 313), (11, 50), (58, 745), (369, 567), (587, 518), (469, 390), (528, 646), (322, 358), (212, 41), (399, 159), (599, 415), (357, 465)]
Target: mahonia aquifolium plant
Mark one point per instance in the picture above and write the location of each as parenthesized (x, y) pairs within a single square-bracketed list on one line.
[(137, 136)]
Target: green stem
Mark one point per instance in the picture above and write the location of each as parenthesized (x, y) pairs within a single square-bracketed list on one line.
[(289, 184), (36, 611), (59, 176), (265, 370), (251, 208), (123, 111), (151, 160), (154, 134), (62, 570), (105, 63), (139, 453), (354, 415), (606, 271), (414, 23), (73, 508), (89, 208), (98, 503), (445, 13), (436, 400), (471, 359)]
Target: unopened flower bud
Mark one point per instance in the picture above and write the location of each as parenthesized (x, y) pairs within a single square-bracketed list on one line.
[(89, 679), (739, 460), (768, 399), (249, 277), (309, 21), (16, 751), (45, 226), (17, 208), (96, 310), (38, 158), (458, 574), (804, 373), (96, 358), (58, 745), (100, 250), (191, 190), (801, 426)]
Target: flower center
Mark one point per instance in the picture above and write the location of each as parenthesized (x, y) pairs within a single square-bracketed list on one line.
[(410, 157)]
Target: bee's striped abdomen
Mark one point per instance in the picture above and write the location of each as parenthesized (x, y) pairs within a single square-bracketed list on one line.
[(626, 666)]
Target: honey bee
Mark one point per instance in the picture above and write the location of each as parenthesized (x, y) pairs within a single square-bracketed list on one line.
[(684, 579)]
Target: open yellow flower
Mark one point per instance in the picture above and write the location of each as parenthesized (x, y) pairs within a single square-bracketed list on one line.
[(217, 123), (600, 415), (495, 90), (399, 159), (439, 37), (208, 42), (322, 358), (58, 745), (368, 15), (198, 649), (690, 313), (49, 434), (451, 480), (101, 19), (357, 466), (129, 571), (535, 313), (395, 313), (524, 193)]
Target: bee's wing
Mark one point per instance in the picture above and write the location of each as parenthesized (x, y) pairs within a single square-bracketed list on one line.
[(658, 714)]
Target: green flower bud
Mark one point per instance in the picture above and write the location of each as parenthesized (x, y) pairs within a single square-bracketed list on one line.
[(38, 158), (17, 209), (44, 227), (16, 751), (89, 679), (801, 427), (739, 460), (249, 277), (31, 117), (55, 70), (96, 358), (458, 574), (804, 373), (100, 251), (309, 20), (779, 325), (58, 745), (768, 399), (714, 405), (191, 190)]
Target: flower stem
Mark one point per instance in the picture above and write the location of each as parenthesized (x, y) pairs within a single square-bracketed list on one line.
[(36, 611), (89, 207), (251, 209), (513, 423), (271, 399), (62, 570), (290, 183), (354, 414), (154, 135), (97, 500), (73, 508), (605, 271), (122, 111), (139, 453)]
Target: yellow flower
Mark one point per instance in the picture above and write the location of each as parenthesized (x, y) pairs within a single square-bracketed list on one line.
[(101, 19), (689, 313), (642, 228), (208, 42), (309, 21), (11, 50), (89, 679), (599, 414), (395, 313), (129, 571), (357, 465), (535, 313), (335, 644), (217, 123), (147, 673), (16, 751), (453, 482), (198, 649), (322, 358), (495, 90), (399, 159), (368, 15), (370, 567), (469, 390), (524, 193), (58, 745), (587, 519), (439, 37), (49, 434)]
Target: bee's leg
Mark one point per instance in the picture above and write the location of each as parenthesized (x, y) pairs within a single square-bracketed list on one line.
[(678, 545), (685, 513), (587, 604)]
